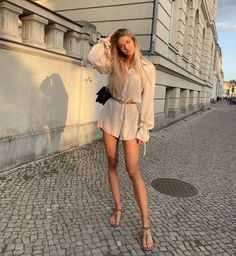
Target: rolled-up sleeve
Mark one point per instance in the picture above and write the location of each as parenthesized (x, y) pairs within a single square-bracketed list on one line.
[(146, 121), (100, 56)]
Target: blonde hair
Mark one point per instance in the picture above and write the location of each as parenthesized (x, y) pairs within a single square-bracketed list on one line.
[(118, 75)]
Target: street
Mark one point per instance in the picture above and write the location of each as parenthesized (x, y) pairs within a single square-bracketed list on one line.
[(60, 205)]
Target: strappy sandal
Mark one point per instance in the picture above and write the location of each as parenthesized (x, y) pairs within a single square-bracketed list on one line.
[(117, 223), (146, 233)]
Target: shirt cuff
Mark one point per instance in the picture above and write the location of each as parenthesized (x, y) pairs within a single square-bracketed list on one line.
[(143, 134)]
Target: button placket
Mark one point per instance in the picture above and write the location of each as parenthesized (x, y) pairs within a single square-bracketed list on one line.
[(123, 106)]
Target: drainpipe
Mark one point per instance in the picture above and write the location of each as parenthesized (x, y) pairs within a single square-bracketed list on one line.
[(154, 27)]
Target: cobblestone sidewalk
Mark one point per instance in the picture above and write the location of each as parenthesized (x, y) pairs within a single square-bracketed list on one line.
[(61, 205)]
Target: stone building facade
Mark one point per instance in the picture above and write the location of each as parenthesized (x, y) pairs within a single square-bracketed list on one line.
[(47, 91), (49, 105), (218, 80), (178, 36)]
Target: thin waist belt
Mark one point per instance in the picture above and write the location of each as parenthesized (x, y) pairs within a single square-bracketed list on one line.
[(124, 101)]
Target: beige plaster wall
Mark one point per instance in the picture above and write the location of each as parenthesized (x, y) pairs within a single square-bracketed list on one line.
[(108, 15), (47, 103)]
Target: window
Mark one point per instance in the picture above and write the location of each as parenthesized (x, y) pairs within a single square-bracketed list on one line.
[(195, 38), (203, 50), (174, 22), (189, 8), (211, 62)]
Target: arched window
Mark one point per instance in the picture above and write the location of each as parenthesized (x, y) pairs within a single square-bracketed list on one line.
[(187, 45), (210, 68), (195, 38), (203, 50)]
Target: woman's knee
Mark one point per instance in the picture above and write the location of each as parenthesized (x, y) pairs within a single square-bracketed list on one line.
[(133, 172), (112, 163)]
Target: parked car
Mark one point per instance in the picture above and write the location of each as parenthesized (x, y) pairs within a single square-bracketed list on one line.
[(232, 100)]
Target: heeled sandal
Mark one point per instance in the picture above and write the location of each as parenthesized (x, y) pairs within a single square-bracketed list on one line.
[(146, 232), (117, 223)]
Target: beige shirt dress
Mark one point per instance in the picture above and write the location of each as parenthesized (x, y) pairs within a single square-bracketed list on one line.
[(126, 121)]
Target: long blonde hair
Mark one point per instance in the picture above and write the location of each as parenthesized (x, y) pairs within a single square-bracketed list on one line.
[(118, 75)]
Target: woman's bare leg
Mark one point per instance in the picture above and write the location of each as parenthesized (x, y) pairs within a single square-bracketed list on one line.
[(111, 147), (131, 149)]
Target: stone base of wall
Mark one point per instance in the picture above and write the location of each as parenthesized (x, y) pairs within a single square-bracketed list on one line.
[(193, 108), (15, 151), (18, 150), (204, 107), (161, 120), (173, 113), (184, 110)]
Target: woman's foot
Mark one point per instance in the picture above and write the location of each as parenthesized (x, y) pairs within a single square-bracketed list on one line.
[(147, 242), (115, 218)]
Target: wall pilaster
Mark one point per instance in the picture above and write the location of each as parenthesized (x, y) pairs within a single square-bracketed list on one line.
[(71, 44), (33, 30), (193, 100), (174, 102), (184, 101), (9, 14), (55, 38)]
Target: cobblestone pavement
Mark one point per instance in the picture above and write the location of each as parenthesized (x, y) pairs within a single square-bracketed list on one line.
[(60, 205)]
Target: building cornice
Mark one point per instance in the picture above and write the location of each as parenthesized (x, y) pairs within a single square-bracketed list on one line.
[(172, 68), (35, 51)]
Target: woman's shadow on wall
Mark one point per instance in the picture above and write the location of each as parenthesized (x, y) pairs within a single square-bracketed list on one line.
[(56, 108)]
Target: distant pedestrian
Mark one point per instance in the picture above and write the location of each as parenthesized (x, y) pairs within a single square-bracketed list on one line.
[(128, 115)]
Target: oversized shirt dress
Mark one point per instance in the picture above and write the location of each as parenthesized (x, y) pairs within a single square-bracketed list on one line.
[(126, 121)]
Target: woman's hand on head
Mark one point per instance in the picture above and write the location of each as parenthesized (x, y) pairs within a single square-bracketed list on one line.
[(109, 37)]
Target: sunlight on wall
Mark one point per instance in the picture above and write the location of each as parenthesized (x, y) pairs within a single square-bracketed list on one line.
[(54, 99), (47, 3)]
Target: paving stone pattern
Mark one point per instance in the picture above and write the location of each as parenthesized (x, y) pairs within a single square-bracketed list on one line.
[(61, 205)]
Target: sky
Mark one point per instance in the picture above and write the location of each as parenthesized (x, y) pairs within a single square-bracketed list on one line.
[(226, 31)]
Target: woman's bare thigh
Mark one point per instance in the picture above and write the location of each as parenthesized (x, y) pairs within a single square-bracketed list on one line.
[(111, 146), (131, 151)]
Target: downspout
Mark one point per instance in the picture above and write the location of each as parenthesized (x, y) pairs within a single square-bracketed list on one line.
[(154, 27)]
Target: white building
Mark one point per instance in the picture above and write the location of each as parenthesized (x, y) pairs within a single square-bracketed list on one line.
[(218, 81), (49, 102), (178, 36)]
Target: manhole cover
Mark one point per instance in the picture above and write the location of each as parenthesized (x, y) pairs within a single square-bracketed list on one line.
[(174, 187)]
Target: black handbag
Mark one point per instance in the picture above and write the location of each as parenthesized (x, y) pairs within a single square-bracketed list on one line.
[(103, 95)]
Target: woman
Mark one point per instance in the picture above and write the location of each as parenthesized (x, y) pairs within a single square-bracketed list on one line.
[(127, 115)]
